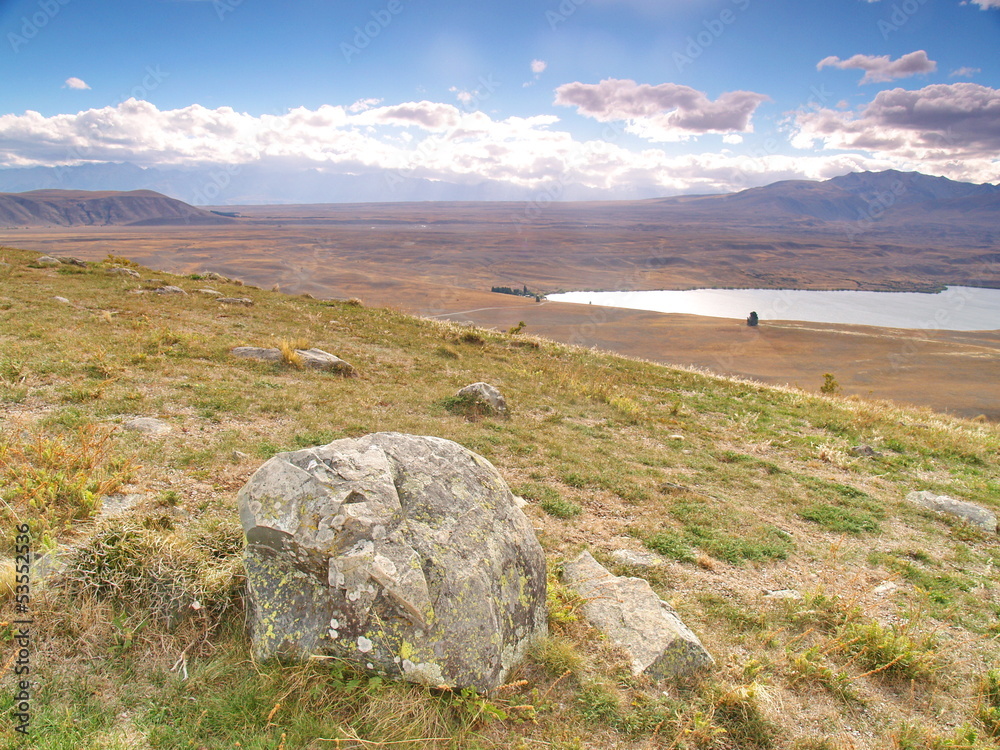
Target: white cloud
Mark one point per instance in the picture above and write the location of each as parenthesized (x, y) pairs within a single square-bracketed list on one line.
[(538, 66), (75, 83), (466, 97), (422, 139), (985, 4), (965, 72), (665, 112), (364, 104), (732, 138), (879, 69), (951, 129)]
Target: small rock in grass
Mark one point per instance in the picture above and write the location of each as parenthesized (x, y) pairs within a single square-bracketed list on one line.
[(116, 505), (864, 450), (120, 271), (209, 292), (147, 426), (486, 395), (47, 261), (316, 359), (169, 289), (974, 514), (245, 301), (61, 299)]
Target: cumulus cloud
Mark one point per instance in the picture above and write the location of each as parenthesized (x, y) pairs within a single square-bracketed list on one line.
[(965, 72), (538, 66), (665, 112), (364, 104), (954, 128), (985, 4), (75, 83), (879, 69), (425, 140)]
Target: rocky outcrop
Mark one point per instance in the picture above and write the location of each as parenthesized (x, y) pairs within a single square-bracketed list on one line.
[(632, 616), (405, 555), (970, 512), (316, 359)]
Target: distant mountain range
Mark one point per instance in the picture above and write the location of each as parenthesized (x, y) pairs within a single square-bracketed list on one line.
[(274, 185), (863, 197), (39, 208), (860, 203)]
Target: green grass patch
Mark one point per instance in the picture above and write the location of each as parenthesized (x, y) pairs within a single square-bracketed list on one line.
[(841, 520)]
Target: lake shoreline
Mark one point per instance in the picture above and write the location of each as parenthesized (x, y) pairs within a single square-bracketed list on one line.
[(954, 308)]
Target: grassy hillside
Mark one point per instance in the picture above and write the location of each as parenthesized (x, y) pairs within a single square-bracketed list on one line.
[(139, 639)]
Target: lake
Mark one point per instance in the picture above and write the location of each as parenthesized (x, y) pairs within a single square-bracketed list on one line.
[(958, 308)]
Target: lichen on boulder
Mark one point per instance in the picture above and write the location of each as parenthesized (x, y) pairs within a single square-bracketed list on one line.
[(405, 555)]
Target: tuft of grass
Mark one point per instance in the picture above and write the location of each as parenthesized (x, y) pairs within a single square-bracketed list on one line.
[(142, 570), (812, 666), (559, 655), (988, 711), (670, 544), (560, 507), (738, 711), (841, 520), (289, 352), (50, 481)]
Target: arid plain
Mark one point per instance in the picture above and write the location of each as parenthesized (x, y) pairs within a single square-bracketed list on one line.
[(440, 259)]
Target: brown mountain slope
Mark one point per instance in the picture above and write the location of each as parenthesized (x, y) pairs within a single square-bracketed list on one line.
[(68, 208)]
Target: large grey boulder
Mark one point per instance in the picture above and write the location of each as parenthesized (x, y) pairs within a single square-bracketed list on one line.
[(974, 514), (316, 359), (632, 616), (405, 555)]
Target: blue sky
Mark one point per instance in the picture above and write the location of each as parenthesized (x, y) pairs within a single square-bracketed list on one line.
[(674, 95)]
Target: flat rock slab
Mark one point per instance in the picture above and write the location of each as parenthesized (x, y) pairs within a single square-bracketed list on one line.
[(405, 555), (244, 301), (117, 505), (637, 558), (316, 359), (147, 426), (632, 616), (974, 514), (170, 289)]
